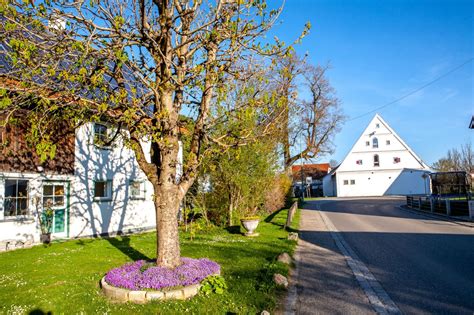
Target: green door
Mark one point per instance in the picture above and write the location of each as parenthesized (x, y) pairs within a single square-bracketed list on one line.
[(59, 221), (55, 196)]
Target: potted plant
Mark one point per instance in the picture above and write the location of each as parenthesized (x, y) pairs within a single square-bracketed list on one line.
[(45, 219), (250, 222)]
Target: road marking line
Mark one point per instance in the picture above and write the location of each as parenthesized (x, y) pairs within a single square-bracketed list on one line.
[(378, 297)]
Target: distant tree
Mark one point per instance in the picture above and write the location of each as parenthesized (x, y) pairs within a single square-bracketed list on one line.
[(457, 160), (309, 125), (333, 163), (139, 65)]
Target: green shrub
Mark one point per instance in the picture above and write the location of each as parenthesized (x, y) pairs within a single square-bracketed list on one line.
[(213, 284)]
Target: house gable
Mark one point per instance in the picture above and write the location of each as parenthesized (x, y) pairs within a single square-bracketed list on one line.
[(380, 148)]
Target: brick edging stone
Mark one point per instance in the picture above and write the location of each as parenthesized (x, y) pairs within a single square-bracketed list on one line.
[(141, 297)]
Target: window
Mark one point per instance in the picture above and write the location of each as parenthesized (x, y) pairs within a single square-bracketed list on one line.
[(388, 142), (376, 160), (359, 162), (346, 182), (137, 189), (53, 195), (353, 181), (101, 135), (103, 190), (16, 197), (367, 143), (377, 125), (375, 143), (396, 160)]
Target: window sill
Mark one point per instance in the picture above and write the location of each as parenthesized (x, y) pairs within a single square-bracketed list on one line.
[(96, 199), (137, 198), (23, 219)]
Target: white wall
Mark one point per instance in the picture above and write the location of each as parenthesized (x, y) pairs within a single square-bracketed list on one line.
[(121, 213), (382, 183)]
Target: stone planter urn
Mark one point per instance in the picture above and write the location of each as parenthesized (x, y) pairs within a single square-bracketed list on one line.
[(250, 225)]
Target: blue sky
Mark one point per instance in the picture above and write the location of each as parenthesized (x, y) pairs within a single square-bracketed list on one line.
[(382, 50)]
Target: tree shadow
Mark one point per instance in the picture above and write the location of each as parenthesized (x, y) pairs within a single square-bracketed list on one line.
[(38, 311), (272, 216), (233, 229), (124, 246)]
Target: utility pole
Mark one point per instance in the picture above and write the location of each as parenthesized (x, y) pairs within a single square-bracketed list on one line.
[(302, 179)]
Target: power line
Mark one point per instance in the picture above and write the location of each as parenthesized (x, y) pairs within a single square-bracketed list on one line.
[(416, 90)]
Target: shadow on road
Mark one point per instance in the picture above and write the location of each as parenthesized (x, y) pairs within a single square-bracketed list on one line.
[(428, 271)]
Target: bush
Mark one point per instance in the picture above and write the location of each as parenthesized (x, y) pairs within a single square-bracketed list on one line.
[(275, 196)]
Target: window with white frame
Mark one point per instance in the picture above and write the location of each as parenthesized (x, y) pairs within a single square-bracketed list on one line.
[(353, 181), (388, 142), (377, 125), (367, 143), (346, 182), (101, 135), (16, 198), (137, 189), (102, 190)]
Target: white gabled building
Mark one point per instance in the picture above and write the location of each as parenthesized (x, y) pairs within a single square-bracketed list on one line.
[(380, 163)]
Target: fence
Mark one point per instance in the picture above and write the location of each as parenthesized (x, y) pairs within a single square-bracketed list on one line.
[(448, 206)]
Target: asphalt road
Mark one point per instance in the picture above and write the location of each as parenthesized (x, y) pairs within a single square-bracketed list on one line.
[(425, 265)]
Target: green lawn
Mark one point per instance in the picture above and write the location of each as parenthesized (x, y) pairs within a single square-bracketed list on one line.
[(64, 278)]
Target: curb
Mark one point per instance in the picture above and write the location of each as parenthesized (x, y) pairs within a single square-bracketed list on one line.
[(142, 297), (459, 221)]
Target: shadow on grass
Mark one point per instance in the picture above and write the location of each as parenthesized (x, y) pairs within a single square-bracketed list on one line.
[(273, 215), (38, 311), (234, 229), (123, 245)]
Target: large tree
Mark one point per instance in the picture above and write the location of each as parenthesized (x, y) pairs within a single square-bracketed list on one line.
[(312, 114), (138, 64)]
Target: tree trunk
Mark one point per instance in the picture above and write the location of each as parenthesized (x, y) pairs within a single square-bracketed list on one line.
[(167, 236)]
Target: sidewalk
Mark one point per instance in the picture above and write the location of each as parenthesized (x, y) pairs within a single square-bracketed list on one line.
[(323, 282)]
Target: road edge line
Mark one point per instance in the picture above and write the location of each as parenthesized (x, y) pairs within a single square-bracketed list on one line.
[(378, 297)]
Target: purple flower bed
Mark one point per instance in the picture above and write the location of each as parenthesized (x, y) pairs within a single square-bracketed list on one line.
[(142, 275)]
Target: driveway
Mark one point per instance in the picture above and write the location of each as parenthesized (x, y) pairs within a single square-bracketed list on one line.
[(360, 256)]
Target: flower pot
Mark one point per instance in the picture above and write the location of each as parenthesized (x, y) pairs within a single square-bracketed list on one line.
[(250, 225), (45, 238)]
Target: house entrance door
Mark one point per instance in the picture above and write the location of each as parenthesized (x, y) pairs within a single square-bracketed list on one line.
[(56, 196)]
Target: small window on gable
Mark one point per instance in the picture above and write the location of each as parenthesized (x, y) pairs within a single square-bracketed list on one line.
[(101, 135), (367, 143), (346, 182), (137, 189), (388, 142), (359, 162), (376, 160), (396, 160), (102, 190), (377, 125), (353, 181), (375, 143)]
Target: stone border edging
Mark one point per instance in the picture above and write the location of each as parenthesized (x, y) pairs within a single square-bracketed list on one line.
[(141, 297)]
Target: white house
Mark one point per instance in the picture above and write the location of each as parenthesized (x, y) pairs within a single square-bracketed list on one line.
[(380, 163), (104, 192)]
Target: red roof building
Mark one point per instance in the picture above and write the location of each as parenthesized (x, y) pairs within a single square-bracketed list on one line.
[(316, 171)]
